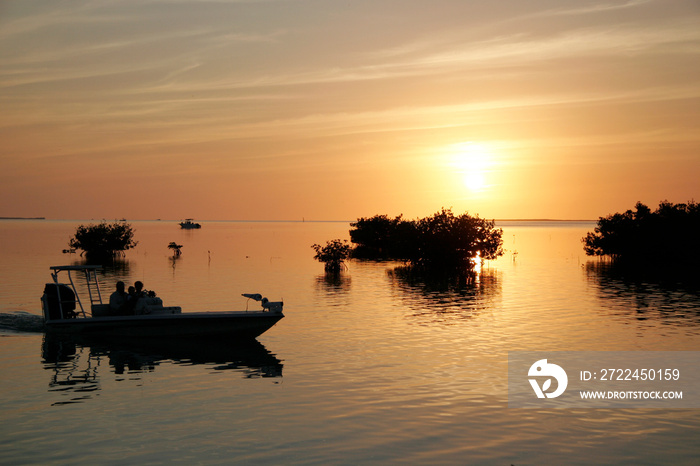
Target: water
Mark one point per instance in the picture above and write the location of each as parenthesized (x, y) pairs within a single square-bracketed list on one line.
[(372, 367)]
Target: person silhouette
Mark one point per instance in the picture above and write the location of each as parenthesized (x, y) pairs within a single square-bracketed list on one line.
[(140, 293), (137, 295), (118, 299)]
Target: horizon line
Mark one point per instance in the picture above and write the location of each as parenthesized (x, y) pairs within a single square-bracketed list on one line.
[(274, 220)]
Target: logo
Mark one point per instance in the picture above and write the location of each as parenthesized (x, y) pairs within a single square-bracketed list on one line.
[(544, 369)]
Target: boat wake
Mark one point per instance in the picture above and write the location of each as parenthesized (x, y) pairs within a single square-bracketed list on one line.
[(21, 321)]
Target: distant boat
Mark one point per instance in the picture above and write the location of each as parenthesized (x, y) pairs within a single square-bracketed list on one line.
[(188, 224), (65, 313)]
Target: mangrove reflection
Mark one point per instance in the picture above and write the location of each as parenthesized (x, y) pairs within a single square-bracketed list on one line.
[(334, 282), (333, 289), (112, 270), (446, 297), (74, 361), (644, 296)]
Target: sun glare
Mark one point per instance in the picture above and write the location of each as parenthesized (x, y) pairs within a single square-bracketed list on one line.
[(474, 181), (472, 161)]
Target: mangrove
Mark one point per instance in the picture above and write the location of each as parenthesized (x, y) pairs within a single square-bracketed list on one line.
[(667, 236), (441, 241), (103, 241)]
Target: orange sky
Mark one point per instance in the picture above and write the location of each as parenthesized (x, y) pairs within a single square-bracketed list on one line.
[(326, 109)]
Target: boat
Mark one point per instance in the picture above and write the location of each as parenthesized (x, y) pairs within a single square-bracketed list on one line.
[(189, 224), (65, 312)]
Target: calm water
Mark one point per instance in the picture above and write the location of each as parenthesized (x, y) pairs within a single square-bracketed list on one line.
[(369, 368)]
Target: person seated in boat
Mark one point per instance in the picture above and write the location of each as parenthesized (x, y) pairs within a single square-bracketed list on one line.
[(118, 299), (131, 299), (136, 297), (139, 289), (144, 293)]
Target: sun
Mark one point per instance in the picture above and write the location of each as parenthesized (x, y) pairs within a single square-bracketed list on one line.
[(472, 162), (474, 181)]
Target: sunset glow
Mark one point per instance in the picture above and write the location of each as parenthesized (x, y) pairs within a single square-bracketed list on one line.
[(473, 162), (336, 110)]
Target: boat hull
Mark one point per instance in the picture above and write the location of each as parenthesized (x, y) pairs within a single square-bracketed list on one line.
[(235, 325)]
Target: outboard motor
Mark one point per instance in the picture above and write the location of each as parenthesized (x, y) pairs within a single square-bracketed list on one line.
[(59, 302)]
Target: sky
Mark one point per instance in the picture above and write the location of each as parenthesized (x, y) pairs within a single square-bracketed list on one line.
[(335, 110)]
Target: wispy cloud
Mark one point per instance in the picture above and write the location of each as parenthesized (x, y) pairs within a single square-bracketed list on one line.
[(519, 48), (431, 57), (591, 9)]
